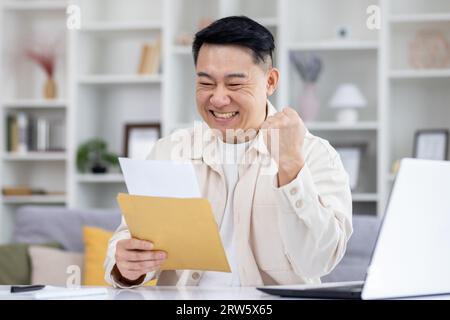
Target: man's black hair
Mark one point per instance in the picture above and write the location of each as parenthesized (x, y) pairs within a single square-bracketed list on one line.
[(240, 31)]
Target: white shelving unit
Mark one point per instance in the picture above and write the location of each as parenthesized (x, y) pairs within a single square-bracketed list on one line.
[(35, 156), (104, 178), (414, 98), (121, 26), (119, 79), (38, 5), (35, 199), (107, 89), (355, 59), (334, 126), (100, 90), (27, 24), (30, 103)]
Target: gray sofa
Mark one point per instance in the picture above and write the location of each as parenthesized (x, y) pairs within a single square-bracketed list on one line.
[(35, 224), (354, 264)]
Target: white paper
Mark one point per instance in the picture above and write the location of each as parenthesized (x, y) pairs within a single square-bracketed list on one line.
[(160, 178), (51, 292)]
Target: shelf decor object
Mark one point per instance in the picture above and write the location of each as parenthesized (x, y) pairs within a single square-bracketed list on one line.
[(343, 32), (140, 138), (430, 50), (347, 99), (150, 58), (309, 67), (46, 59), (351, 159), (93, 156), (431, 144)]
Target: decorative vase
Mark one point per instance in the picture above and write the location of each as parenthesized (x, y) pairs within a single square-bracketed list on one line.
[(309, 102), (50, 89)]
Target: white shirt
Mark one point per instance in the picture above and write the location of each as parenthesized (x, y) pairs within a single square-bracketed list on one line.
[(231, 155)]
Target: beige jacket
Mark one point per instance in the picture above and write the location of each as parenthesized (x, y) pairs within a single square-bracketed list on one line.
[(289, 235)]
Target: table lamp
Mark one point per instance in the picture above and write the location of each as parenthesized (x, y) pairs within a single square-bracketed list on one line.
[(347, 99)]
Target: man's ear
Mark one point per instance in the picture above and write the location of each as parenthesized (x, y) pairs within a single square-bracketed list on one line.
[(273, 76)]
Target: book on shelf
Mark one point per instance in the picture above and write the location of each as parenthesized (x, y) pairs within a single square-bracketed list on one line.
[(11, 134), (150, 58), (27, 191), (34, 133), (22, 132)]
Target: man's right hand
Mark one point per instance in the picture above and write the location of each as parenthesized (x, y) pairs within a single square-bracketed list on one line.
[(135, 258)]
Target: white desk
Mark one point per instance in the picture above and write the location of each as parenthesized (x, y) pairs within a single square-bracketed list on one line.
[(181, 293), (167, 293)]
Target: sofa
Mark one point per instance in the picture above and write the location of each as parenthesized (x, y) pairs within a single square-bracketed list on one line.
[(38, 225), (354, 264), (57, 246)]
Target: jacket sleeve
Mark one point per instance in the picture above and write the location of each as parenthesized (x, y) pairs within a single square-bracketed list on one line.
[(316, 213), (121, 233)]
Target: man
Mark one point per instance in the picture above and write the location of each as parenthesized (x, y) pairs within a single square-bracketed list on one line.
[(284, 226)]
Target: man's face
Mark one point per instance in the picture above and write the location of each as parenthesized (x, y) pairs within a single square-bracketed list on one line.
[(231, 90)]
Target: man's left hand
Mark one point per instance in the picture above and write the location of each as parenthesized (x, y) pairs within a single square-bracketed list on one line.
[(284, 140)]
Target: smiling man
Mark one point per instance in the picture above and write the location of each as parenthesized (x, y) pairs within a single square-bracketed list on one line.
[(289, 225)]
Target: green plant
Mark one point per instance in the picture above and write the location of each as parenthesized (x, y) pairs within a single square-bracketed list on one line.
[(95, 153)]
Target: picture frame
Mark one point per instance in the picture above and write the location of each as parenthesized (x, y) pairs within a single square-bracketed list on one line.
[(139, 139), (431, 144), (351, 155)]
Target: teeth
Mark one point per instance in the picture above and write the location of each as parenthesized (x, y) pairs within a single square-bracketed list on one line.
[(224, 115)]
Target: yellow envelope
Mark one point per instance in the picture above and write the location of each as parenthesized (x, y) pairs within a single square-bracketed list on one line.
[(184, 228)]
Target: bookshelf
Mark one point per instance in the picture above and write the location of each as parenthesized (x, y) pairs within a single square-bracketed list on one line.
[(100, 90), (32, 25), (419, 96), (107, 88)]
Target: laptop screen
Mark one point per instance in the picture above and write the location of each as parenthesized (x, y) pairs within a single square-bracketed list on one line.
[(412, 254)]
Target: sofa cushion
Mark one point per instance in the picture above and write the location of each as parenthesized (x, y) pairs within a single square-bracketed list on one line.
[(15, 266), (59, 260), (37, 224), (96, 244)]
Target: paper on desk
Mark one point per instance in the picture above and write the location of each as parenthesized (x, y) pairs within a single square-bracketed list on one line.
[(51, 292), (160, 178)]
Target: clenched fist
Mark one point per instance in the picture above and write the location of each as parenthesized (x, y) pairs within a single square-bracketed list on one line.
[(284, 136)]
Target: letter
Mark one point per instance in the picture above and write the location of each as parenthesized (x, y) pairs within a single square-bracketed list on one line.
[(73, 17), (206, 311), (374, 19), (180, 310), (74, 280)]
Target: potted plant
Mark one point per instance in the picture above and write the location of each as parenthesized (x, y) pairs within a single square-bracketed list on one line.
[(94, 156)]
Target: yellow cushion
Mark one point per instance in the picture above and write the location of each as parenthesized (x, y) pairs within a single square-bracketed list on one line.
[(96, 245)]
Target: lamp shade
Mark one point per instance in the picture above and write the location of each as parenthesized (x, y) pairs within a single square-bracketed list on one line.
[(348, 95)]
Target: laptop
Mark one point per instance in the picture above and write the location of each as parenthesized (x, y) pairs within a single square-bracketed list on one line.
[(411, 257)]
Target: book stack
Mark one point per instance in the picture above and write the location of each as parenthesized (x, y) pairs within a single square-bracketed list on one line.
[(27, 133), (15, 191), (150, 58), (21, 191)]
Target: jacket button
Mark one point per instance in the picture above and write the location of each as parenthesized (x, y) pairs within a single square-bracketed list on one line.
[(299, 204), (294, 191), (195, 275)]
